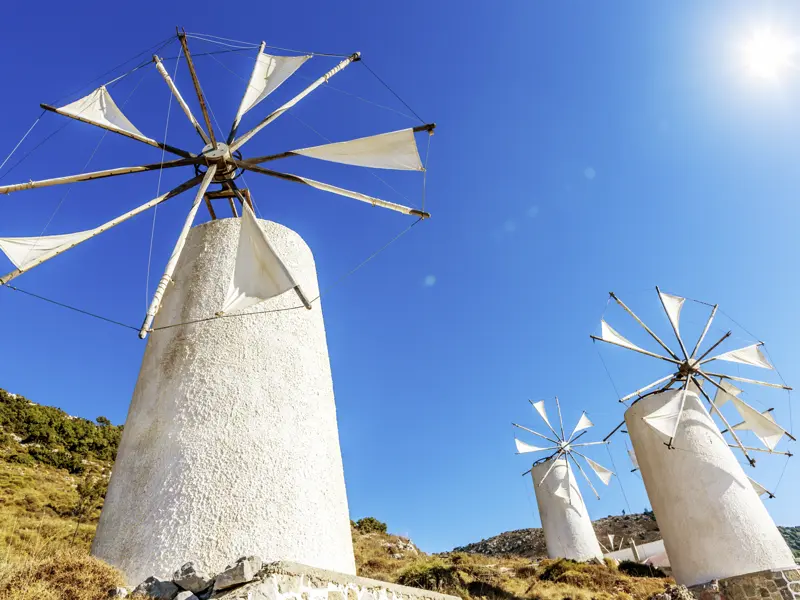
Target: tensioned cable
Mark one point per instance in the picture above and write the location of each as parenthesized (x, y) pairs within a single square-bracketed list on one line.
[(22, 139), (619, 480), (202, 39), (158, 190), (208, 35), (67, 306), (386, 85)]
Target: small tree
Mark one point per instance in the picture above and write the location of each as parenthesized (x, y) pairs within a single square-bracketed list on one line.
[(91, 490), (370, 525)]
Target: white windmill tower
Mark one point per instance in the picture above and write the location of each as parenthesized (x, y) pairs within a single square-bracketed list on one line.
[(567, 527), (231, 445), (712, 521)]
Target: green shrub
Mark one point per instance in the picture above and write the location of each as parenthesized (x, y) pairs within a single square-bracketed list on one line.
[(370, 525), (635, 569)]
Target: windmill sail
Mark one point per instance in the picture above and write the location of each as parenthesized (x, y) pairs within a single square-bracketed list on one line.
[(522, 447), (749, 355), (672, 306), (583, 423), (539, 406), (268, 74), (730, 392), (763, 425), (602, 473), (759, 489), (665, 419), (609, 334), (395, 150), (259, 273), (632, 456), (99, 107), (25, 251)]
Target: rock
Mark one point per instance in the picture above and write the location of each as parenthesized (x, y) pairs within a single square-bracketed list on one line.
[(243, 571), (152, 587), (189, 578), (185, 595), (118, 592)]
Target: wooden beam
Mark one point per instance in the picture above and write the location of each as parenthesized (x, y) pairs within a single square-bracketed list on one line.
[(133, 136), (196, 81), (174, 89), (210, 208)]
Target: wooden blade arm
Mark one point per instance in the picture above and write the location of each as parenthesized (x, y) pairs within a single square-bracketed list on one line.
[(639, 350), (705, 331), (333, 189), (197, 88), (647, 387), (98, 230), (185, 107), (544, 437), (575, 460), (30, 185), (282, 109), (155, 304), (716, 409), (646, 328), (128, 134), (745, 380)]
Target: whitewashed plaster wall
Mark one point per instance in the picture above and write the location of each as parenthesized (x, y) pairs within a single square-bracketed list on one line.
[(231, 445)]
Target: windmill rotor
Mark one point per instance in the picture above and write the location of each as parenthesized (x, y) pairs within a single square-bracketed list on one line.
[(563, 446), (689, 373), (219, 162)]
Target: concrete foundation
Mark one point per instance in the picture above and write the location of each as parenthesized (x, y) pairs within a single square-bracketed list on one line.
[(231, 446), (568, 530), (713, 523)]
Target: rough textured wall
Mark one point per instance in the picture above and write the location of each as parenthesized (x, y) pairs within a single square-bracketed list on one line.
[(231, 445), (764, 585), (568, 529), (713, 524)]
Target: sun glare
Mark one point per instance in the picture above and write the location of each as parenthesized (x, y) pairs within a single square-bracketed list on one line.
[(768, 54)]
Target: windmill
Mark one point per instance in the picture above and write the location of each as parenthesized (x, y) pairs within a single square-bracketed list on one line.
[(712, 521), (567, 528), (231, 435)]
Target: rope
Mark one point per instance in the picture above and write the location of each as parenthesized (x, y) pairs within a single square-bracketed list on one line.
[(22, 139), (780, 479), (208, 35), (158, 192), (68, 307), (36, 147), (197, 37), (391, 90), (621, 487), (602, 360)]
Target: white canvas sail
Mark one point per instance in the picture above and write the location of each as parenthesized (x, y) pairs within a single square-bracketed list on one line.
[(602, 473), (749, 355), (25, 251), (759, 489), (539, 406), (609, 334), (395, 150), (673, 306), (259, 273), (583, 423), (763, 425), (727, 393), (98, 107), (632, 456), (665, 419), (523, 448), (268, 74)]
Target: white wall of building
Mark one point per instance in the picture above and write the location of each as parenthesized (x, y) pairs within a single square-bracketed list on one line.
[(712, 522), (231, 445), (567, 527)]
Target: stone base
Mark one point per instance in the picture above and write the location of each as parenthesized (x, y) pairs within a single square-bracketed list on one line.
[(292, 581), (778, 584)]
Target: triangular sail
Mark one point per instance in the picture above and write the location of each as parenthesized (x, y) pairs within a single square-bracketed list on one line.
[(268, 74), (602, 473), (259, 273), (583, 423), (749, 355), (539, 406), (609, 334), (24, 251), (672, 306), (98, 107), (395, 150), (665, 419), (727, 393), (632, 456), (759, 489), (522, 447), (763, 425)]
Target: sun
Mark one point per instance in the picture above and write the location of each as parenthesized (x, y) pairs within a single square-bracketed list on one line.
[(767, 53)]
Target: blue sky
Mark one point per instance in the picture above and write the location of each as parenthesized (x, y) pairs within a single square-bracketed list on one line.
[(580, 148)]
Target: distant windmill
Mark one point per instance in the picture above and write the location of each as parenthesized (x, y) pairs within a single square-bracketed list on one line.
[(712, 521), (567, 528)]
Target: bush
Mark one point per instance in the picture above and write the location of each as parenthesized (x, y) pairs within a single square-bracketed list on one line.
[(370, 525), (635, 569), (432, 574)]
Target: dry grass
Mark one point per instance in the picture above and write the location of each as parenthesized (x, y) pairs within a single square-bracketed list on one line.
[(67, 575)]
